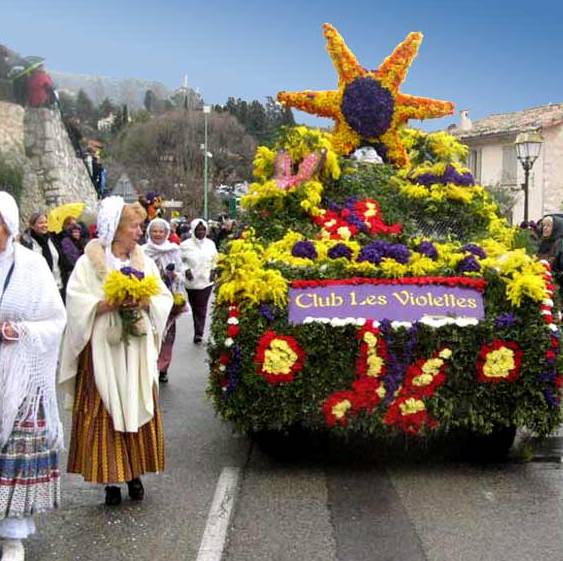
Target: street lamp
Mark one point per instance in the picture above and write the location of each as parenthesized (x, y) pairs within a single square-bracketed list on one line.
[(528, 145), (206, 111)]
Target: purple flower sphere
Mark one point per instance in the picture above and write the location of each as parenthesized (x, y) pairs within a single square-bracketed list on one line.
[(340, 250), (367, 107), (475, 250), (304, 249), (468, 265), (428, 249)]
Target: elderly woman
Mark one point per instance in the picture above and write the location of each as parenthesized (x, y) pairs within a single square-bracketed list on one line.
[(199, 255), (32, 319), (117, 430), (38, 239), (168, 259)]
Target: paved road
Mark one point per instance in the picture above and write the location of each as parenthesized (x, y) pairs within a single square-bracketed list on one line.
[(337, 505)]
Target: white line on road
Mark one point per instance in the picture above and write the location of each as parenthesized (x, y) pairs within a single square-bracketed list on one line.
[(219, 518)]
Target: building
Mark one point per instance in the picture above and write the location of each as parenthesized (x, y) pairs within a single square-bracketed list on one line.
[(492, 155)]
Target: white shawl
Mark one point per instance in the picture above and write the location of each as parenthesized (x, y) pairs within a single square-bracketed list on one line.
[(28, 367), (166, 252), (199, 256), (125, 375)]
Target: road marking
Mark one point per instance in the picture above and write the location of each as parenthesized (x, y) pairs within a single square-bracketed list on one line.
[(219, 517)]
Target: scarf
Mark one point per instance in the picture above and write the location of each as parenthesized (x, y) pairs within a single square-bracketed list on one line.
[(28, 367), (43, 241)]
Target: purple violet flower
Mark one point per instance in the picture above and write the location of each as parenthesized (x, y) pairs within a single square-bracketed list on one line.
[(475, 250), (450, 175), (468, 265), (428, 249), (340, 250), (267, 312), (505, 320), (399, 252), (305, 249), (233, 370), (132, 272)]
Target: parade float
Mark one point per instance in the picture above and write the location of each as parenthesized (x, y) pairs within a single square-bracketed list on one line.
[(375, 288)]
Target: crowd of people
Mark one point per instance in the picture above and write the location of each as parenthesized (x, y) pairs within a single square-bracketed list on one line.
[(57, 322)]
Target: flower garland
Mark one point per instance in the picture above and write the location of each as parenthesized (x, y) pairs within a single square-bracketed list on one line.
[(278, 357), (477, 284), (373, 352), (230, 360), (499, 361)]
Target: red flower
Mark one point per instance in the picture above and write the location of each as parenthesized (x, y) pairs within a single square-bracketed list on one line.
[(278, 357), (500, 361), (478, 284), (224, 359), (339, 407), (369, 392), (409, 414), (233, 330), (371, 358), (424, 377)]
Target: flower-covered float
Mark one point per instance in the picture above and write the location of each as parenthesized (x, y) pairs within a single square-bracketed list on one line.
[(379, 293)]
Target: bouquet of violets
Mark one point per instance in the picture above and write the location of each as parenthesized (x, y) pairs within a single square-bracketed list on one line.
[(131, 290)]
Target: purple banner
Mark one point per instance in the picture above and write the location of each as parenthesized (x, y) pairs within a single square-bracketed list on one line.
[(396, 302)]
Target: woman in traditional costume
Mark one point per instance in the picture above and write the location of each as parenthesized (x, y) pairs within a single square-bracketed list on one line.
[(168, 259), (117, 432), (199, 255), (32, 319)]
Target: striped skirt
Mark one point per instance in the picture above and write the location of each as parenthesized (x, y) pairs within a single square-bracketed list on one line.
[(30, 478), (98, 452)]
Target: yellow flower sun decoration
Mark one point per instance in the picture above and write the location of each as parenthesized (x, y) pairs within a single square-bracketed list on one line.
[(367, 107)]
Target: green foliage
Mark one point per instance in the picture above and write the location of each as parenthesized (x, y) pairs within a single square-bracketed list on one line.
[(331, 355), (262, 121)]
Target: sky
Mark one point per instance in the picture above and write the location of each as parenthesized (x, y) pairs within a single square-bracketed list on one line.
[(487, 56)]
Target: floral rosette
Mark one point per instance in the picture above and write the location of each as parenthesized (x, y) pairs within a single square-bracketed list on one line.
[(409, 414), (278, 358), (129, 286), (339, 407), (499, 361)]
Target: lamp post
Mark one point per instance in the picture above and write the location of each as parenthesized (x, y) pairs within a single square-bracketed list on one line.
[(528, 145), (206, 111)]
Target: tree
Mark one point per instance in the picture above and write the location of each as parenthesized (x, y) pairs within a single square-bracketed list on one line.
[(150, 101), (68, 104), (166, 152), (106, 108), (84, 107)]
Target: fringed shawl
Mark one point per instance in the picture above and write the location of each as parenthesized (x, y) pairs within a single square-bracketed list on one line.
[(28, 367)]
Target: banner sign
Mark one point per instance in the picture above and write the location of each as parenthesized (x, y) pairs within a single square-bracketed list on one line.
[(395, 302)]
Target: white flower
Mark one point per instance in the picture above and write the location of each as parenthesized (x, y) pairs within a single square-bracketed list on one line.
[(399, 324), (222, 367), (546, 312), (553, 327), (362, 321), (434, 321), (233, 321), (548, 302), (466, 322), (229, 342), (309, 319)]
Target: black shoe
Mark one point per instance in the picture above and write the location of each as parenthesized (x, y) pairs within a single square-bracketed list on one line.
[(113, 495), (163, 377), (136, 489), (197, 339)]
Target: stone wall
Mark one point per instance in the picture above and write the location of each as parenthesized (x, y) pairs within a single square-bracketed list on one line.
[(36, 141)]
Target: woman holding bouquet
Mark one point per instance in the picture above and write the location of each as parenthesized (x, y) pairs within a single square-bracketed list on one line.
[(168, 259), (117, 308)]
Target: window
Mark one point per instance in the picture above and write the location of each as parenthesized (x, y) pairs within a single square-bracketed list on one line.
[(474, 163), (509, 166)]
